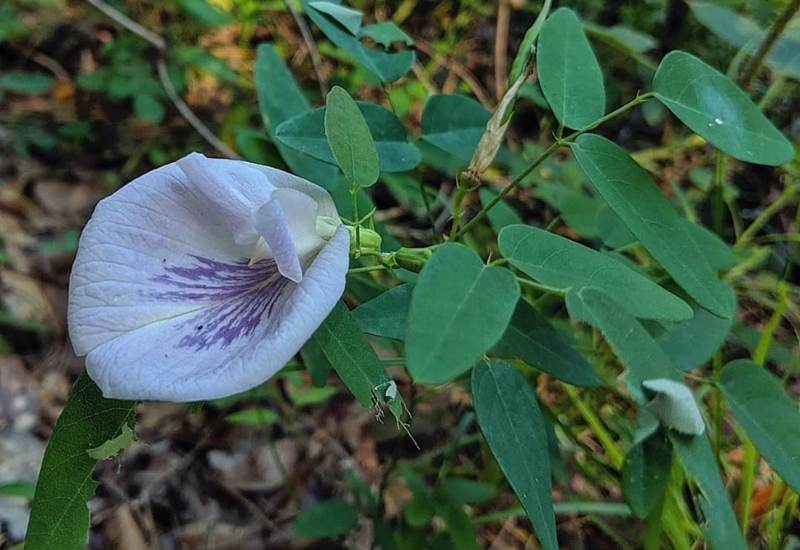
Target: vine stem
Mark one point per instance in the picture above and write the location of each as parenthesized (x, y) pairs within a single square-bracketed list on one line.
[(774, 33), (538, 161)]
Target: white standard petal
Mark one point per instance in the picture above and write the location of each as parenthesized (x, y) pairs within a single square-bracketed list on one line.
[(232, 344), (156, 223)]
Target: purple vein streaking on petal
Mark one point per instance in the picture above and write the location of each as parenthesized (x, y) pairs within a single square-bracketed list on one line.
[(243, 295)]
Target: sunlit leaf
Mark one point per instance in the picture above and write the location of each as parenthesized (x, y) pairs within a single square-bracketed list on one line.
[(562, 263), (306, 133), (350, 139), (634, 197), (718, 110), (387, 66), (569, 74), (349, 18), (386, 33), (459, 309)]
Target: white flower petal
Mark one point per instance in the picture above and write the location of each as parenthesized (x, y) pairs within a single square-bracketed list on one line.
[(229, 346), (156, 222), (271, 223), (235, 187)]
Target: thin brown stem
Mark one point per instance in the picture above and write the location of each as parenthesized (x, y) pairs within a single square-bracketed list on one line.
[(316, 60)]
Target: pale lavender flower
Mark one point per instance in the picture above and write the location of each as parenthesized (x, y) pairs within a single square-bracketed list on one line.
[(203, 278)]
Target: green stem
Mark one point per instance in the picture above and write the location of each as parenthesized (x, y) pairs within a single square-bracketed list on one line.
[(367, 269), (615, 454), (458, 201), (543, 288), (746, 491), (773, 34), (718, 191), (545, 154)]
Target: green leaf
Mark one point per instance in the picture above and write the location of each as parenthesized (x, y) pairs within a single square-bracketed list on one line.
[(636, 349), (468, 491), (635, 198), (531, 338), (387, 314), (645, 474), (674, 406), (623, 37), (206, 13), (612, 230), (691, 343), (316, 363), (350, 139), (387, 66), (459, 309), (720, 527), (525, 51), (578, 209), (326, 519), (257, 416), (454, 123), (569, 74), (715, 108), (511, 421), (718, 254), (502, 214), (21, 489), (279, 99), (740, 31), (459, 528), (23, 82), (386, 33), (59, 512), (148, 107), (767, 414), (349, 18), (306, 133), (562, 263), (343, 344), (113, 446)]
